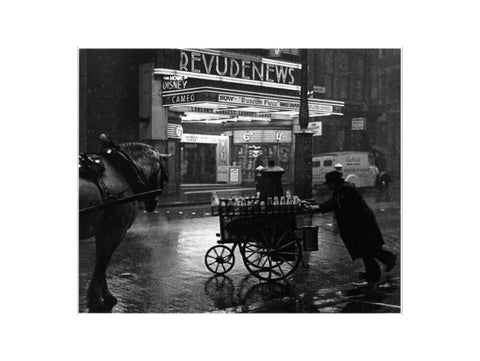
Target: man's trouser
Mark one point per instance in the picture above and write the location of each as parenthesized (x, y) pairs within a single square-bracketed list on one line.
[(372, 269)]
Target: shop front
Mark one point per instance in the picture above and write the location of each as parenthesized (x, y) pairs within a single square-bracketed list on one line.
[(252, 148), (236, 111)]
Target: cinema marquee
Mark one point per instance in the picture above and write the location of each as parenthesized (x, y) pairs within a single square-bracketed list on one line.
[(220, 110)]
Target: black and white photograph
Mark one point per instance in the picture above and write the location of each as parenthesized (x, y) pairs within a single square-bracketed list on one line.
[(240, 180)]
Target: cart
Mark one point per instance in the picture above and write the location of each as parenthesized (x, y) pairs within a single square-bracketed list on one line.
[(269, 240)]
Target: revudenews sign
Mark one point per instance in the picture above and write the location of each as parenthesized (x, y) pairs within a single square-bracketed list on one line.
[(237, 66)]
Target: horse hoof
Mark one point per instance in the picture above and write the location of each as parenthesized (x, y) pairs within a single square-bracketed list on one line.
[(99, 308), (110, 301)]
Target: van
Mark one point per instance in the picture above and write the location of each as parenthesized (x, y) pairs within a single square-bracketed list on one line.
[(358, 168)]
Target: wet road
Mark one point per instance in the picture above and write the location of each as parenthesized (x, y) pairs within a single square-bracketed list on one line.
[(159, 268)]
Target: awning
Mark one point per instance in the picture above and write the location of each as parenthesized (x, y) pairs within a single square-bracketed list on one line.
[(222, 105)]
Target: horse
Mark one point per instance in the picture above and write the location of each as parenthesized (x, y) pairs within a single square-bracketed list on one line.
[(109, 224)]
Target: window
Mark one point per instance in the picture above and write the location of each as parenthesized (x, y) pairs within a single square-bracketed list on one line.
[(327, 163), (316, 164)]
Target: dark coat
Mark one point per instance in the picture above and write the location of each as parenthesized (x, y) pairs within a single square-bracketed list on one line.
[(356, 221)]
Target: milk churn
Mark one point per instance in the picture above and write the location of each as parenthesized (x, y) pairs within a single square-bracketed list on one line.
[(271, 181)]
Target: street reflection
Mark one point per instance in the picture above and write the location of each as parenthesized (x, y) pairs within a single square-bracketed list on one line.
[(224, 294), (361, 298)]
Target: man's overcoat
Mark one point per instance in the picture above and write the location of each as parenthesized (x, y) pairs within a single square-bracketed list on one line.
[(356, 221)]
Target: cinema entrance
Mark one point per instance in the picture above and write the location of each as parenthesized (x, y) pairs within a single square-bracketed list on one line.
[(198, 163)]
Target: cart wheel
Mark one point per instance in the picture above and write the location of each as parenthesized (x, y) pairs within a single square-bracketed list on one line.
[(272, 258), (219, 259)]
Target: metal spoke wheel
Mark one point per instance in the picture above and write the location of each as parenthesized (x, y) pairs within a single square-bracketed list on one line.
[(219, 259), (271, 257)]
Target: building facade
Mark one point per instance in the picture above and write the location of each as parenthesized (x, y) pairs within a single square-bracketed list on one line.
[(368, 81), (223, 112)]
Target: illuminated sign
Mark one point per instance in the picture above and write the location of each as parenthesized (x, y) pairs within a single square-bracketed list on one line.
[(262, 136), (175, 131), (200, 138), (271, 103), (226, 67), (174, 82), (216, 101), (246, 135), (183, 98), (238, 66)]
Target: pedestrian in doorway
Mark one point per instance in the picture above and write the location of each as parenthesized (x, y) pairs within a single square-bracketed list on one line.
[(258, 173), (357, 226)]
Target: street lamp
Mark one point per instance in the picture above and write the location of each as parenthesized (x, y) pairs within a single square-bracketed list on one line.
[(302, 179)]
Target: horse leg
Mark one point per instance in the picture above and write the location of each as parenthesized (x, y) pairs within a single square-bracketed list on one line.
[(108, 299), (105, 245), (95, 303)]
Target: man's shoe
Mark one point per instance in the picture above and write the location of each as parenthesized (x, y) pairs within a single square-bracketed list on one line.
[(365, 276), (391, 264)]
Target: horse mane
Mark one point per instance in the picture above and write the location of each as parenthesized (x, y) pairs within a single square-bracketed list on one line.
[(144, 155)]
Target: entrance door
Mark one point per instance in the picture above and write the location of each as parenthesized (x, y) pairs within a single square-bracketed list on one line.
[(198, 163)]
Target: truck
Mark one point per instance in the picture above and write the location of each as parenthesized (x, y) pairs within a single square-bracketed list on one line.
[(357, 168)]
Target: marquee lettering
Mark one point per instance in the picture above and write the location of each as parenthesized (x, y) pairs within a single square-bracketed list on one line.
[(183, 98), (208, 67), (225, 67), (237, 66), (221, 65), (258, 71), (174, 83)]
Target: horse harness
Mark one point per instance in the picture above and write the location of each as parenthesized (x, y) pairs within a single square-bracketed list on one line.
[(91, 167)]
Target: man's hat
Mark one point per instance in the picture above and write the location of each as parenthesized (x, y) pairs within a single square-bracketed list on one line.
[(338, 165), (333, 177)]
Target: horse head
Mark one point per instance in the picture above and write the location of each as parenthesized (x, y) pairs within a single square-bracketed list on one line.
[(157, 181), (153, 165)]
